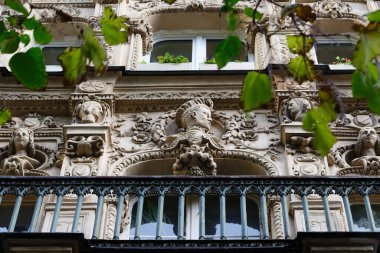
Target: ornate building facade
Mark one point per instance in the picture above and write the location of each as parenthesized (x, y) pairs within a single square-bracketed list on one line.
[(158, 156)]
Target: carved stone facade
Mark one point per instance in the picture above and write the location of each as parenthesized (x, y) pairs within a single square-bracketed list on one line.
[(181, 123)]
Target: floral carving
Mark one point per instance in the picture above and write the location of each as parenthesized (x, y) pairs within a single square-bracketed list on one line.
[(332, 8)]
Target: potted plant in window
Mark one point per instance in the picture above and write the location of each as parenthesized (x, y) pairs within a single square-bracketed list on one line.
[(341, 63), (167, 62), (210, 64)]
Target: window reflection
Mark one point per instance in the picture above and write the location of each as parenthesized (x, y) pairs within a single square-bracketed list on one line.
[(149, 218), (359, 215)]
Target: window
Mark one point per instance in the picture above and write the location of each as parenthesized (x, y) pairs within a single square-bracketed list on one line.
[(327, 49), (233, 227), (52, 51), (359, 216), (197, 49), (24, 218)]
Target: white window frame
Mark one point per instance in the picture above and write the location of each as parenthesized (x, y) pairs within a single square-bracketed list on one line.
[(62, 44), (331, 39), (199, 41)]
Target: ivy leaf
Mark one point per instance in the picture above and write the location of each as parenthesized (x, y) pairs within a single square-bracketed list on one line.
[(299, 44), (30, 23), (316, 121), (368, 46), (41, 34), (301, 68), (374, 16), (9, 42), (5, 116), (25, 39), (114, 28), (227, 50), (73, 62), (367, 86), (304, 12), (29, 68), (169, 1), (93, 50), (253, 13), (257, 90), (12, 20), (17, 6)]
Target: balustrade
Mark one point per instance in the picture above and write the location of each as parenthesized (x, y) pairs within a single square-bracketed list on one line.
[(262, 190)]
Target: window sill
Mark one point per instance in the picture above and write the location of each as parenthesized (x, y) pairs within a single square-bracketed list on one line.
[(229, 66), (341, 66), (164, 66)]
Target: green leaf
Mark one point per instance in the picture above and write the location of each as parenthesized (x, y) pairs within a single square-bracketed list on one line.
[(252, 13), (169, 1), (9, 42), (29, 68), (366, 86), (41, 34), (299, 44), (368, 46), (73, 62), (25, 39), (17, 6), (12, 20), (93, 50), (114, 28), (2, 27), (257, 90), (316, 121), (232, 20), (227, 50), (5, 116), (301, 68), (30, 23), (374, 16)]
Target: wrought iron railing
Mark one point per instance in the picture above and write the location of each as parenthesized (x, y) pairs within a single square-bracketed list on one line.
[(263, 188)]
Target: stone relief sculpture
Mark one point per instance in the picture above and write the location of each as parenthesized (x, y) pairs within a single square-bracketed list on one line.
[(91, 111), (292, 109), (193, 140), (21, 159), (367, 149)]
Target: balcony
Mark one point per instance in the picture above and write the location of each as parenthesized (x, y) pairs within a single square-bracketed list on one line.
[(56, 198)]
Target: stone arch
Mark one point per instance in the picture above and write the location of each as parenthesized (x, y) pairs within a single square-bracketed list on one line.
[(159, 162)]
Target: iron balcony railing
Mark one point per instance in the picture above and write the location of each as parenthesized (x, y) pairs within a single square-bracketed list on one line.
[(122, 188)]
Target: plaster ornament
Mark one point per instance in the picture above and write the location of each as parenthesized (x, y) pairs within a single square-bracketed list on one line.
[(91, 111), (80, 146), (332, 8), (32, 121), (308, 166), (293, 108), (93, 86), (194, 141), (21, 155), (368, 150)]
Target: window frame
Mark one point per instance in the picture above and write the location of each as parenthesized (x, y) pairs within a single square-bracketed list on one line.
[(59, 44), (199, 43)]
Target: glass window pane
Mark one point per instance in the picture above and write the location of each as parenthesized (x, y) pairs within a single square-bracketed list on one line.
[(327, 52), (233, 219), (212, 44), (174, 47), (149, 218), (51, 54), (23, 220), (359, 216)]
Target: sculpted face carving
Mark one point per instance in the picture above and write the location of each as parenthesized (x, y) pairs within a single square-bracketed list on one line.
[(196, 112), (368, 140), (297, 107), (21, 152), (367, 149), (90, 112)]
